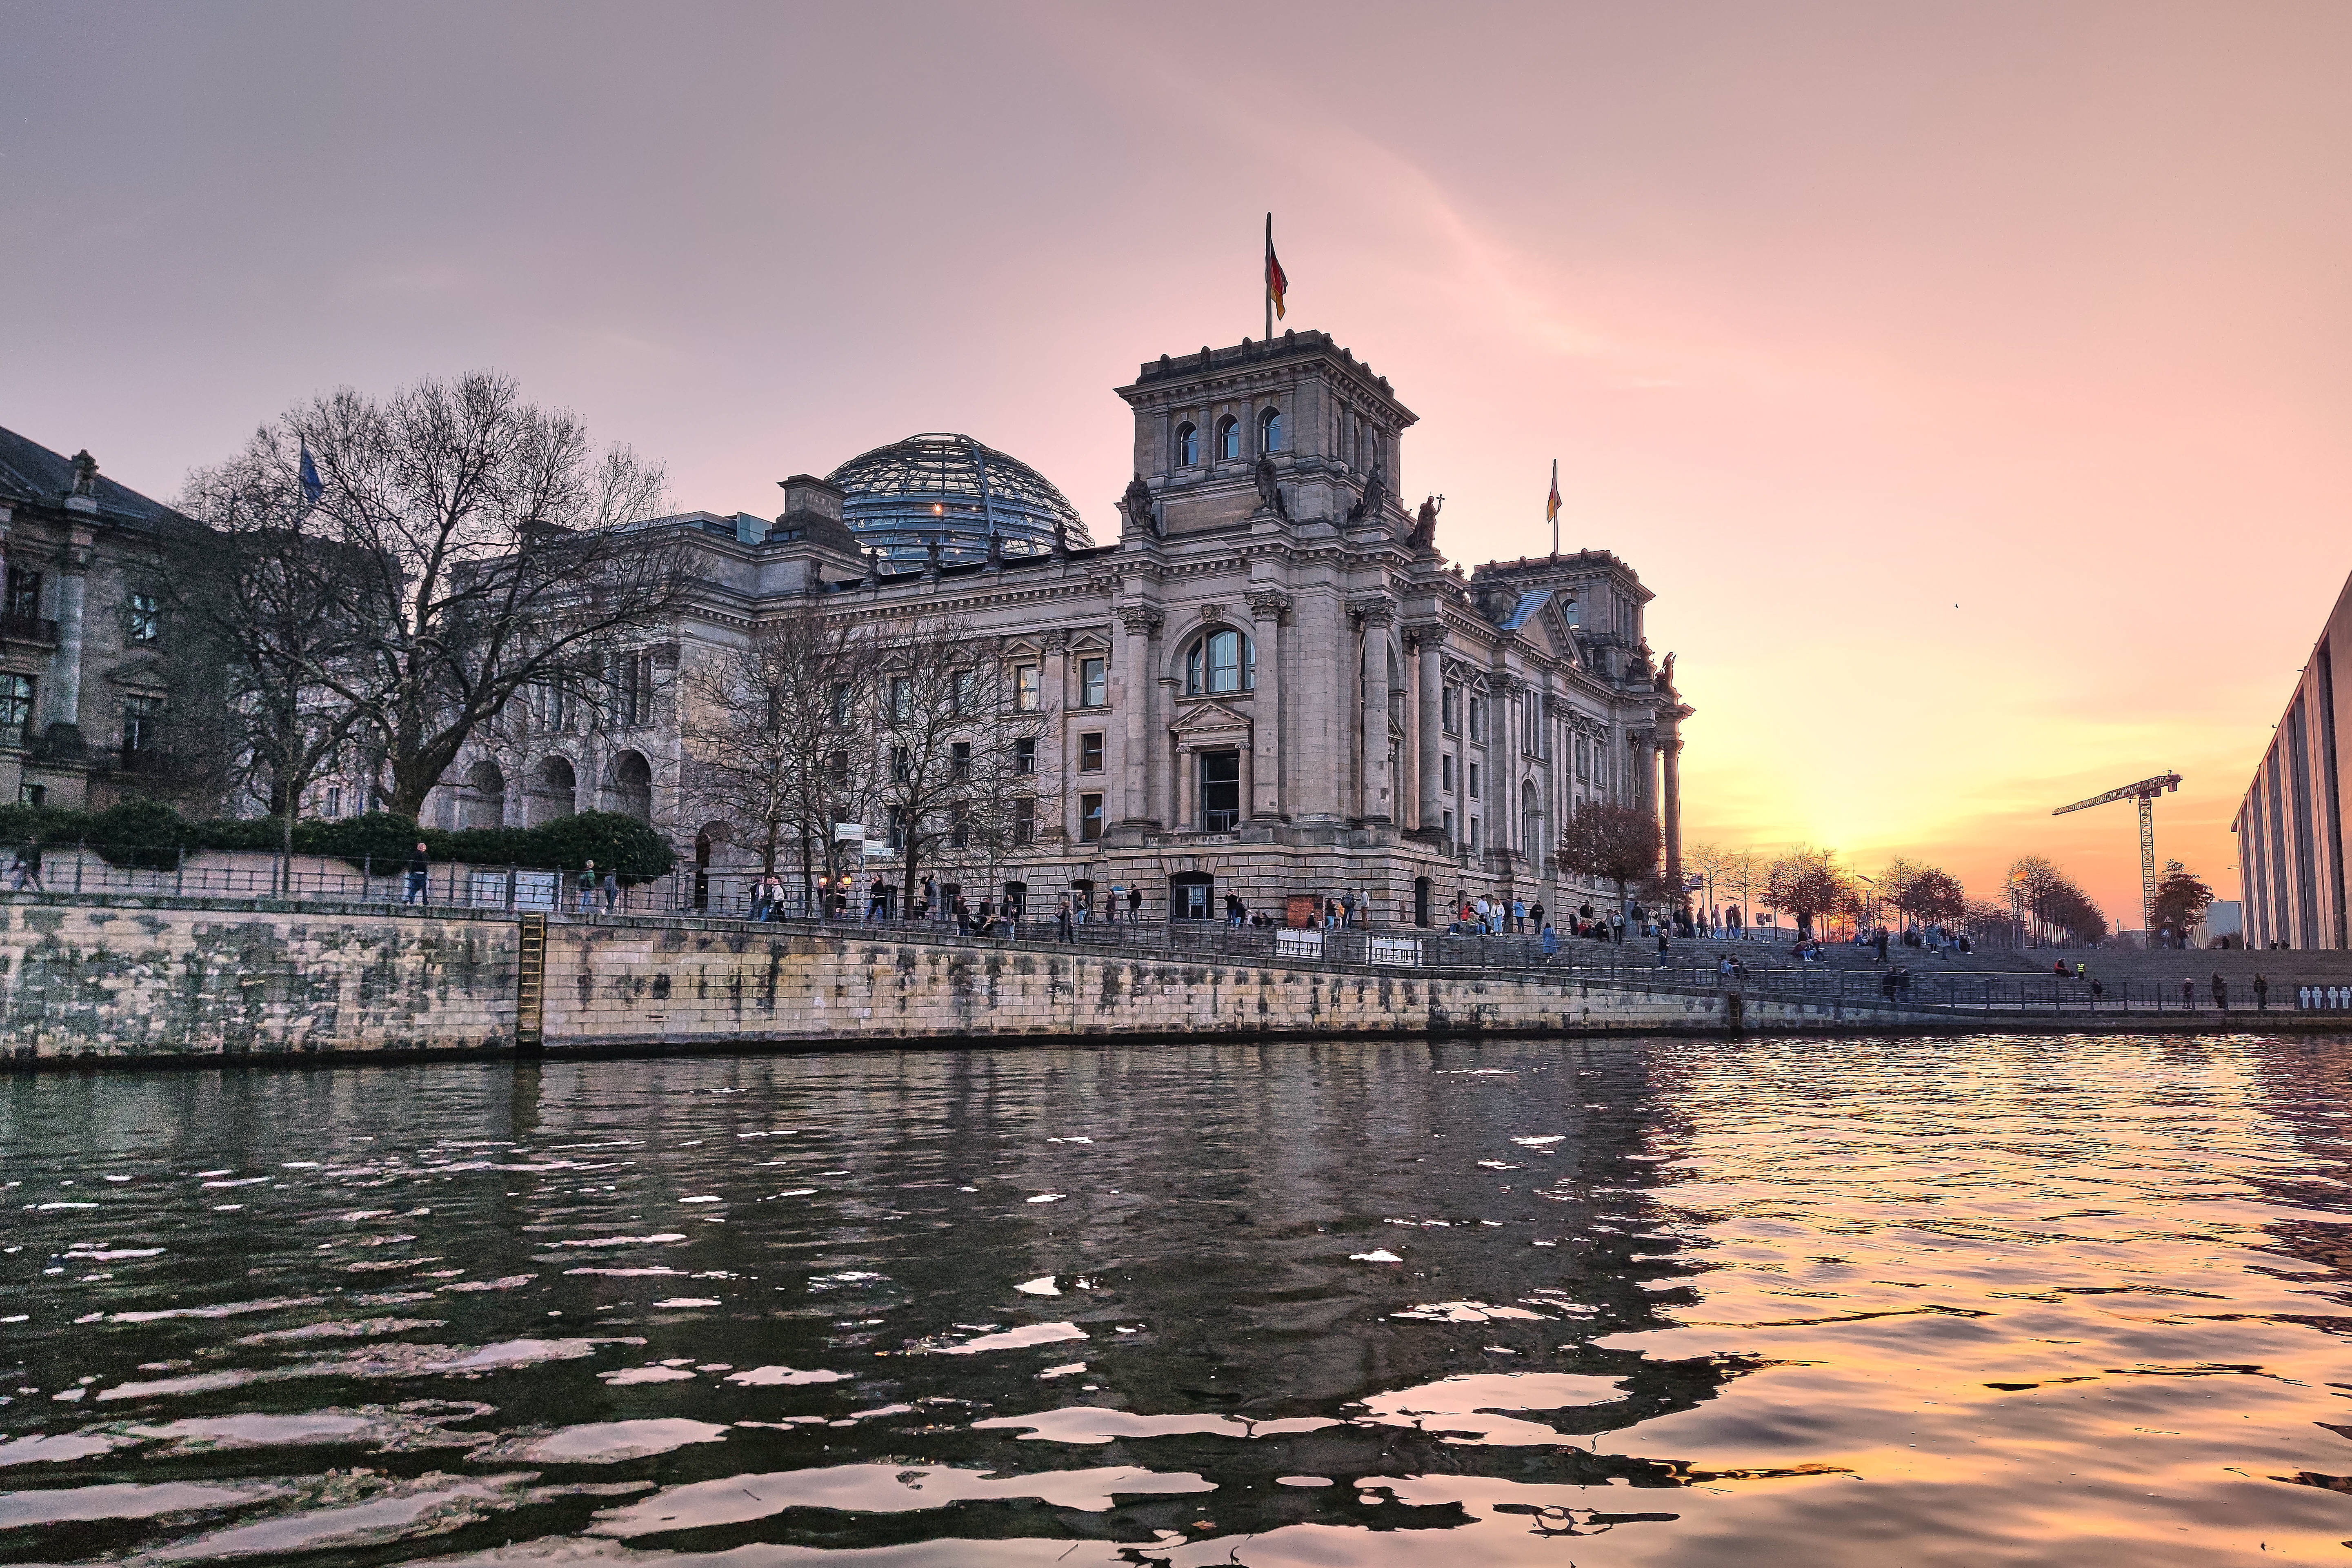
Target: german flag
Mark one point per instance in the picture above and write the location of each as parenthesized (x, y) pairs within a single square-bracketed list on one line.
[(1276, 283), (1552, 506)]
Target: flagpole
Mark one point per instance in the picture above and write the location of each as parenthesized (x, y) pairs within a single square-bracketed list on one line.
[(1266, 278)]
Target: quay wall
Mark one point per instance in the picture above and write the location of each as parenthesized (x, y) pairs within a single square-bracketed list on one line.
[(103, 979), (120, 978)]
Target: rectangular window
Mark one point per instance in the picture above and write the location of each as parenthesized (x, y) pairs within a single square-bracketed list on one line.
[(1093, 683), (958, 826), (632, 689), (334, 800), (898, 828), (902, 698), (1477, 718), (1473, 783), (836, 767), (16, 706), (1449, 704), (967, 691), (146, 617), (1024, 688), (1024, 757), (1473, 836), (143, 720), (1024, 821), (959, 763), (841, 703), (1445, 770), (24, 592), (1090, 752), (1220, 791), (902, 765), (1449, 824), (1090, 817)]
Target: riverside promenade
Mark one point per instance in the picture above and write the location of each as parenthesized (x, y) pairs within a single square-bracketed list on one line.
[(95, 980)]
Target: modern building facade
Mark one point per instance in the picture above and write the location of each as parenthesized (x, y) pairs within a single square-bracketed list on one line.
[(1273, 684), (2290, 825), (85, 634)]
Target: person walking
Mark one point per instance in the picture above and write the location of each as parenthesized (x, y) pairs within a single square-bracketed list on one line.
[(1550, 943), (2220, 992), (1879, 941), (612, 889), (1134, 905), (587, 887), (1061, 931), (1535, 913), (420, 869), (1519, 916), (2188, 994), (2261, 992), (29, 867)]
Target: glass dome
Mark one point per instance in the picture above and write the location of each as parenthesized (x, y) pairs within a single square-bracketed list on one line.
[(952, 488)]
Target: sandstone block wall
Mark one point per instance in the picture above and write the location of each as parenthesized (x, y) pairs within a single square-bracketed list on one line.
[(682, 982), (123, 978)]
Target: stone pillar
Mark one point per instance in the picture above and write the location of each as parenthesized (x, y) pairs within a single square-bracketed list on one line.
[(1429, 723), (64, 703), (1136, 687), (1376, 616), (1249, 779), (1670, 749), (1268, 608), (1315, 708), (1168, 763)]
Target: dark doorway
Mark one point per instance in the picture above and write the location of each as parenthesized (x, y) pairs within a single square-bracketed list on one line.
[(702, 870), (1420, 891), (1016, 900), (1188, 895)]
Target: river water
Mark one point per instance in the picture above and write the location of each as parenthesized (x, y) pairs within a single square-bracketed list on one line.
[(1791, 1302)]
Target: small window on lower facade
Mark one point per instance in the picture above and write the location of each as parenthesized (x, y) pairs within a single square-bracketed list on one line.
[(1090, 753), (1024, 757), (1090, 817), (1024, 820)]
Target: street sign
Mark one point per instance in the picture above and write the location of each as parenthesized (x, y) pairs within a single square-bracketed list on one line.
[(849, 833)]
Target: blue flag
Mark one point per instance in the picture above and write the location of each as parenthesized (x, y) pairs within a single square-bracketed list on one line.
[(311, 489)]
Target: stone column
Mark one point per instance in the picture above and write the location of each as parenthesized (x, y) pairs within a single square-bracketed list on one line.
[(1268, 608), (1670, 749), (65, 665), (1136, 687), (1376, 616), (1429, 722), (1317, 707)]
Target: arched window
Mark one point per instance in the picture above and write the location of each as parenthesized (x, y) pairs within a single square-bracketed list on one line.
[(1221, 661), (1188, 445), (1269, 430), (1229, 437)]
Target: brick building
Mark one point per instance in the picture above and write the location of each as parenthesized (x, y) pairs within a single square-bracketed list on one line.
[(1273, 683)]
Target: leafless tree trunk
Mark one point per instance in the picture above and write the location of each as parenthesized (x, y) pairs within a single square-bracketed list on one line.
[(948, 766), (483, 545), (776, 735)]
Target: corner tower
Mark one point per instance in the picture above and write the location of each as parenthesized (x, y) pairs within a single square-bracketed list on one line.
[(1332, 430)]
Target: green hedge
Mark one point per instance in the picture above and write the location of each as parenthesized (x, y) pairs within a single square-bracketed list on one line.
[(150, 834)]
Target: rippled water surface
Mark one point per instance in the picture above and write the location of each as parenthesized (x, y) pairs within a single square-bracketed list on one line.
[(1786, 1302)]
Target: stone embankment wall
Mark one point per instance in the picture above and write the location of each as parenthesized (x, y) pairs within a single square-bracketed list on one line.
[(125, 979), (133, 979), (637, 983)]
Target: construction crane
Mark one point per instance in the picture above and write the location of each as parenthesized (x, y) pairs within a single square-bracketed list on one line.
[(2145, 792)]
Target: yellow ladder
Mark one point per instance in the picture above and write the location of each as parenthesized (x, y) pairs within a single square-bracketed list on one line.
[(530, 984)]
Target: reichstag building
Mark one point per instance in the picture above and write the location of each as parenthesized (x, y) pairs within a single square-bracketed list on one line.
[(1271, 682)]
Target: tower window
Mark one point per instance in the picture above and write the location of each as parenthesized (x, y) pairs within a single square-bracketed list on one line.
[(1188, 445), (1093, 683), (1269, 430), (1229, 437)]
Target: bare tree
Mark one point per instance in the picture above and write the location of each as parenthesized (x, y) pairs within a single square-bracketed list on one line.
[(776, 734), (1618, 842), (277, 604), (950, 765), (1742, 876), (485, 546), (1709, 860)]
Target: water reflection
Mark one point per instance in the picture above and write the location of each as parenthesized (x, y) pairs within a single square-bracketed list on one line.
[(1787, 1301)]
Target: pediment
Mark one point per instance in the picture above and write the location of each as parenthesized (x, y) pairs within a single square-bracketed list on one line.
[(1212, 719)]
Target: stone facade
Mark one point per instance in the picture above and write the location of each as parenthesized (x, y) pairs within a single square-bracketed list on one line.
[(84, 631), (2290, 824), (1274, 684)]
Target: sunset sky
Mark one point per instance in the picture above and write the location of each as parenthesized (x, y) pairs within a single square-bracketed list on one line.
[(1972, 383)]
